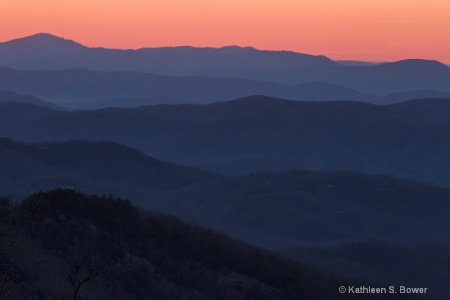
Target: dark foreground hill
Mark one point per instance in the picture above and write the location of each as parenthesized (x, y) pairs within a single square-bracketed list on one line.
[(69, 245), (408, 140)]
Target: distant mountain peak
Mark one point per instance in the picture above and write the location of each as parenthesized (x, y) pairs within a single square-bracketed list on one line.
[(41, 43), (43, 35)]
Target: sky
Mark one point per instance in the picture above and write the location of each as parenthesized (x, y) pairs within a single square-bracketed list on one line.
[(368, 30)]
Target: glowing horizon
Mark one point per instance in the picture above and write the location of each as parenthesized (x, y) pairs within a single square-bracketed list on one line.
[(385, 30)]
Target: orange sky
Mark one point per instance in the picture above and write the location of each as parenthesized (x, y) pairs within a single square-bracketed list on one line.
[(372, 30)]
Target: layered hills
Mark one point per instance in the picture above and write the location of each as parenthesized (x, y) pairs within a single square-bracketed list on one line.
[(272, 73), (353, 181), (270, 209), (84, 88), (407, 140)]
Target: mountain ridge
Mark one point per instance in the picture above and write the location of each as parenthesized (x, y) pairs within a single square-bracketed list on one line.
[(285, 67), (258, 133), (176, 61), (8, 96), (83, 86), (42, 44)]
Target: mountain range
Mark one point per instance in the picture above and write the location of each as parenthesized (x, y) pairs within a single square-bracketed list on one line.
[(45, 51), (203, 74), (85, 87), (341, 165), (258, 133)]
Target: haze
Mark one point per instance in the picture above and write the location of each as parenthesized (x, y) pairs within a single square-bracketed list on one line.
[(384, 30)]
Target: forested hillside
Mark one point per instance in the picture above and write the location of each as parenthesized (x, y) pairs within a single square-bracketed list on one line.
[(64, 244)]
